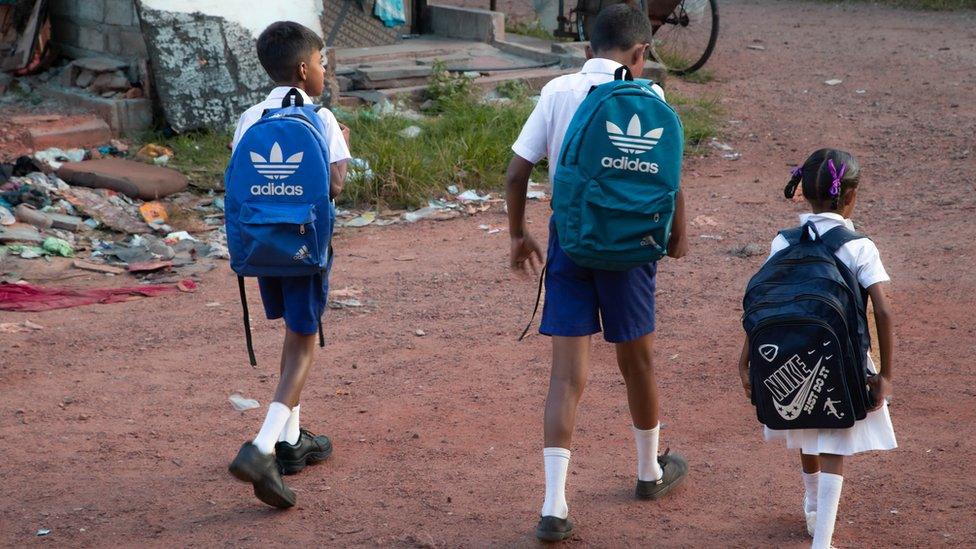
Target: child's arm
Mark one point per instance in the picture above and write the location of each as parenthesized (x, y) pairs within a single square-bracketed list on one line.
[(337, 178), (678, 244), (524, 248), (744, 368), (881, 384)]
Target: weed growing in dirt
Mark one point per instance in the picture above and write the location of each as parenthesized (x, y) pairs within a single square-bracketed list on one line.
[(513, 89), (673, 59), (446, 87), (700, 116), (530, 28)]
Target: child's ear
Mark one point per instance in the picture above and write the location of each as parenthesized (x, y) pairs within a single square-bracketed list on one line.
[(302, 72), (850, 197), (588, 51)]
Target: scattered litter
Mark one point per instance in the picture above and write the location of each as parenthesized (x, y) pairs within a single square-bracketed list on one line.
[(154, 212), (493, 231), (94, 204), (410, 132), (453, 189), (419, 333), (860, 92), (6, 217), (535, 195), (473, 196), (43, 532), (360, 221), (213, 304), (833, 82), (359, 171), (732, 156), (241, 404), (19, 327), (58, 246), (148, 266), (152, 151), (437, 210), (716, 144), (179, 236), (756, 47), (484, 227), (55, 157), (187, 286), (711, 237), (161, 160), (351, 303)]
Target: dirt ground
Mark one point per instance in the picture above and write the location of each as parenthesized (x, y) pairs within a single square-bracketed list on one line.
[(116, 429)]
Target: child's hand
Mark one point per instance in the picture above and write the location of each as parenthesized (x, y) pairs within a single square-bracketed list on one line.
[(880, 390), (746, 384), (525, 250)]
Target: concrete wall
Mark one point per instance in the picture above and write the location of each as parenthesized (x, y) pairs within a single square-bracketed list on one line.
[(84, 28)]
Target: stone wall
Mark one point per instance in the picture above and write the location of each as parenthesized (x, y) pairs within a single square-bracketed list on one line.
[(84, 28)]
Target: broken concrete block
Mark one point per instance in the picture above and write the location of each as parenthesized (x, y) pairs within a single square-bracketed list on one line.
[(99, 65), (84, 79), (109, 81), (98, 207), (20, 232), (69, 132), (134, 179), (466, 23)]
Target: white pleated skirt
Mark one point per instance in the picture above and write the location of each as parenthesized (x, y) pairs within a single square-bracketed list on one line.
[(874, 432)]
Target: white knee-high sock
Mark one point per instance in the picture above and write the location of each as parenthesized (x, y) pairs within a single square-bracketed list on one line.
[(557, 465), (810, 482), (291, 433), (647, 442), (274, 422), (828, 499)]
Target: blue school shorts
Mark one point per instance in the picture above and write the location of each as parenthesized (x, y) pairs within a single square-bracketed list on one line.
[(579, 298), (300, 300)]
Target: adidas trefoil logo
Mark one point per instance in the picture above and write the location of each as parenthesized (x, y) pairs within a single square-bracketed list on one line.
[(633, 141), (301, 254), (275, 167)]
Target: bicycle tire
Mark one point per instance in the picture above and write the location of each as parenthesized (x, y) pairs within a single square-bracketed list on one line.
[(709, 49)]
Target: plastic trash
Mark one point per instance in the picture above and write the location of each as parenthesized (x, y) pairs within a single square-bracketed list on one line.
[(241, 404), (473, 196), (390, 12), (410, 132), (58, 246)]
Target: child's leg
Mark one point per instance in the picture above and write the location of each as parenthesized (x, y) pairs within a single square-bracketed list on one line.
[(570, 365), (828, 498), (811, 476), (634, 358)]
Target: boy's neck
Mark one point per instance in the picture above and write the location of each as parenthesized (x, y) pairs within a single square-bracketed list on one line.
[(618, 57), (299, 85)]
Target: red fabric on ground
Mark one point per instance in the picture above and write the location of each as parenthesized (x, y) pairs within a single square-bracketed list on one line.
[(31, 298)]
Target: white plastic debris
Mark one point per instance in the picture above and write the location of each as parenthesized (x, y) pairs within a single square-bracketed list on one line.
[(833, 82), (360, 221), (240, 403), (410, 132), (716, 144), (180, 235), (359, 171), (473, 196), (6, 217)]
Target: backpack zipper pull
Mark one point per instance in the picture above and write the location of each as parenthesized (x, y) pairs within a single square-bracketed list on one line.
[(301, 229)]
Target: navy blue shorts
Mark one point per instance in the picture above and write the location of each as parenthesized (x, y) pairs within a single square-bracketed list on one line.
[(300, 300), (578, 298)]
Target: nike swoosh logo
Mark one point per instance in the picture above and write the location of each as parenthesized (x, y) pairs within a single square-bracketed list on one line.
[(792, 410)]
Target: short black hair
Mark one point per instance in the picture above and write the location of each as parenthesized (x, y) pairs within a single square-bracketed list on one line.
[(283, 46), (620, 27), (817, 177)]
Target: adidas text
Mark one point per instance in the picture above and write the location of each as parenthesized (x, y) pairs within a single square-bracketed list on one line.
[(270, 189), (630, 164)]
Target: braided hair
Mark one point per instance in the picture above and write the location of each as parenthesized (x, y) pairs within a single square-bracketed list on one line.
[(827, 175)]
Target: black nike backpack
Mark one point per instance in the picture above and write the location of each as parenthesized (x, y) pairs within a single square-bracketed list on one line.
[(804, 314)]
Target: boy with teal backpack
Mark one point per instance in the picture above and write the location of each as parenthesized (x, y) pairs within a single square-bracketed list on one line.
[(614, 149)]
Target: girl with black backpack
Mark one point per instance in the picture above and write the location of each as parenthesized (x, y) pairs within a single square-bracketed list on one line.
[(788, 377)]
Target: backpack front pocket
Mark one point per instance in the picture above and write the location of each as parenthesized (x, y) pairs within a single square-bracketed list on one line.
[(279, 235), (625, 218)]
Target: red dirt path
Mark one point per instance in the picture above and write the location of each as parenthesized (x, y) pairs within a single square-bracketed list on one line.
[(116, 429)]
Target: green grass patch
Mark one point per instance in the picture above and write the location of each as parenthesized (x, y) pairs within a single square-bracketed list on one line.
[(202, 156), (674, 59), (700, 116)]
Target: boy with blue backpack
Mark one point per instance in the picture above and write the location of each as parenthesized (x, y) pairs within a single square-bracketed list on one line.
[(288, 165), (615, 150)]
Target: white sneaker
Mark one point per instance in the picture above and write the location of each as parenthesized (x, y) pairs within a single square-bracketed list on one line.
[(811, 522)]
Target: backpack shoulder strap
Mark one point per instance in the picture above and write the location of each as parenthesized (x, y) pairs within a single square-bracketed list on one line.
[(793, 235), (838, 236)]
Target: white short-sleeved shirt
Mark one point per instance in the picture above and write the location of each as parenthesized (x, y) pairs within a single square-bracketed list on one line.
[(542, 135), (861, 256), (338, 151)]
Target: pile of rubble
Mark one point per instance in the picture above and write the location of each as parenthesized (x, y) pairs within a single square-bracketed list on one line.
[(100, 76), (109, 215)]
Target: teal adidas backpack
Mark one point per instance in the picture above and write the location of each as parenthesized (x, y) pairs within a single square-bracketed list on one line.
[(619, 171)]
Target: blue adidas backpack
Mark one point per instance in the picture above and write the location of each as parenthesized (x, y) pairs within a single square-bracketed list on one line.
[(804, 314), (619, 171), (278, 211)]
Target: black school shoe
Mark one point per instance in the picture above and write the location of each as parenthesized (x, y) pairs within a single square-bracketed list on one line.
[(554, 528), (675, 470), (309, 449), (259, 469)]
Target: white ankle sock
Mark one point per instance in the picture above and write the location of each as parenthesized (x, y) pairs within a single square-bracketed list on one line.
[(828, 499), (810, 492), (557, 465), (647, 442), (290, 433), (274, 422)]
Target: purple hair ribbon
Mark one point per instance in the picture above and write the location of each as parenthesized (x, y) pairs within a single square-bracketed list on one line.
[(797, 171), (835, 187)]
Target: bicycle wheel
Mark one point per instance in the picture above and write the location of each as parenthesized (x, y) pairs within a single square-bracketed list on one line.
[(687, 38)]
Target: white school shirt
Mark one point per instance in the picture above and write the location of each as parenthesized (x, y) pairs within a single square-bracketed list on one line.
[(861, 256), (338, 151), (542, 135)]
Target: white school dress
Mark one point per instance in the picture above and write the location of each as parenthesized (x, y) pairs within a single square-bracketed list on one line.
[(875, 431)]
